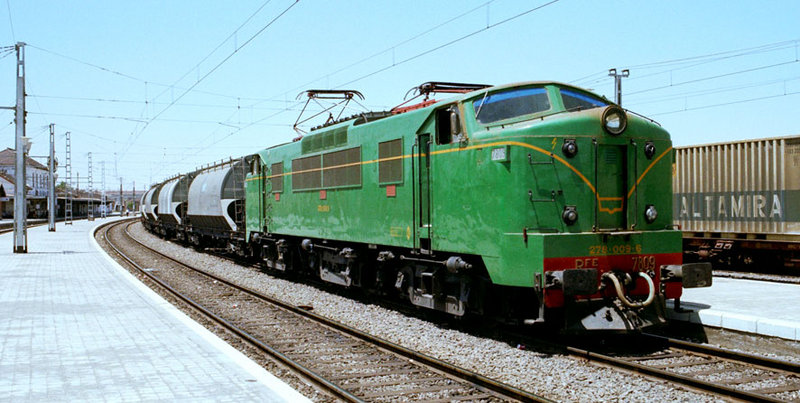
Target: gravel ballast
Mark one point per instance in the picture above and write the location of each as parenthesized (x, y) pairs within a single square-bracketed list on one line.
[(557, 377)]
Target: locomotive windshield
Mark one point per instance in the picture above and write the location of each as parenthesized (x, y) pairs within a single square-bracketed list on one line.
[(576, 101), (517, 102), (510, 104)]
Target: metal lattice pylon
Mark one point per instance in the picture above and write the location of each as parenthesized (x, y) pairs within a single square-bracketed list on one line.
[(68, 199), (103, 189), (90, 210)]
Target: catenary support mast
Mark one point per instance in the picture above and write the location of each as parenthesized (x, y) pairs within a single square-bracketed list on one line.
[(90, 208), (22, 144), (52, 201), (68, 198)]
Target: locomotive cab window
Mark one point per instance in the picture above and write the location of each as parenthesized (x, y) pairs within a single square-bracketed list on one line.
[(511, 103), (578, 101), (448, 125)]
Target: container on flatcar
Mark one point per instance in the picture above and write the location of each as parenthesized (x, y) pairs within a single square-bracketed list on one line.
[(738, 203)]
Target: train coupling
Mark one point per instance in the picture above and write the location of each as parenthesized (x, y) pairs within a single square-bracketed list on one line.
[(573, 281), (691, 275)]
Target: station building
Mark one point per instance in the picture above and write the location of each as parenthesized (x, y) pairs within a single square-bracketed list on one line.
[(35, 181)]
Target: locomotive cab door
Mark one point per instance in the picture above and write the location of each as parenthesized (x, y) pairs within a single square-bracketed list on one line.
[(422, 235)]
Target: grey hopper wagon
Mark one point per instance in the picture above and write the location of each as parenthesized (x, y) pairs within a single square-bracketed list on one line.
[(216, 201), (173, 199)]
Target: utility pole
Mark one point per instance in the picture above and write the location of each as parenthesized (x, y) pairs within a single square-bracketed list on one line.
[(89, 212), (618, 83), (52, 204)]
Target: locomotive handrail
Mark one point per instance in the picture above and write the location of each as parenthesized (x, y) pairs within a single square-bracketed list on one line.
[(618, 287), (636, 188), (551, 199)]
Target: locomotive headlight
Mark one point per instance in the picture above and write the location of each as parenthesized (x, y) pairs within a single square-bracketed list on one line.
[(614, 120), (650, 213), (649, 150), (570, 148), (569, 215)]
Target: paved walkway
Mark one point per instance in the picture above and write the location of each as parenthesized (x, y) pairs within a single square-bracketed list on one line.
[(76, 326), (761, 307)]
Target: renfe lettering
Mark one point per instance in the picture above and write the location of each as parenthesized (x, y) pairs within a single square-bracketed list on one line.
[(588, 262)]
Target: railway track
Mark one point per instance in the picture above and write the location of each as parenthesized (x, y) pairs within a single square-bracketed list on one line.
[(347, 363), (718, 371)]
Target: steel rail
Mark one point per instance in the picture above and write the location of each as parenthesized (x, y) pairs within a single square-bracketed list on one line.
[(475, 378), (766, 362), (319, 380), (718, 389)]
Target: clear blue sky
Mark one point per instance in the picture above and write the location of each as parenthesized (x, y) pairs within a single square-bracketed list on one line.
[(116, 74)]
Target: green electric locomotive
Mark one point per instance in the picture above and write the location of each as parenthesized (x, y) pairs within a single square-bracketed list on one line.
[(531, 202), (535, 202)]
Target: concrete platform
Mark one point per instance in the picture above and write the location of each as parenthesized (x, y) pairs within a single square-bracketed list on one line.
[(9, 222), (770, 309), (76, 326)]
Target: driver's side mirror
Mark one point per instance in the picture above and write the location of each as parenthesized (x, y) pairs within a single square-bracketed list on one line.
[(455, 124)]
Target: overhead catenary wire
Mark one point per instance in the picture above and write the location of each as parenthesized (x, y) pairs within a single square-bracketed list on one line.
[(390, 48), (142, 119), (75, 132), (6, 51), (710, 91), (248, 117), (741, 101), (139, 102), (395, 64), (141, 80), (215, 49), (410, 39), (691, 61), (11, 21), (720, 55), (750, 70), (459, 39), (134, 119), (146, 125)]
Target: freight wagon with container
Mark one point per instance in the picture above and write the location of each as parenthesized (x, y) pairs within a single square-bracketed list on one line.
[(738, 203)]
